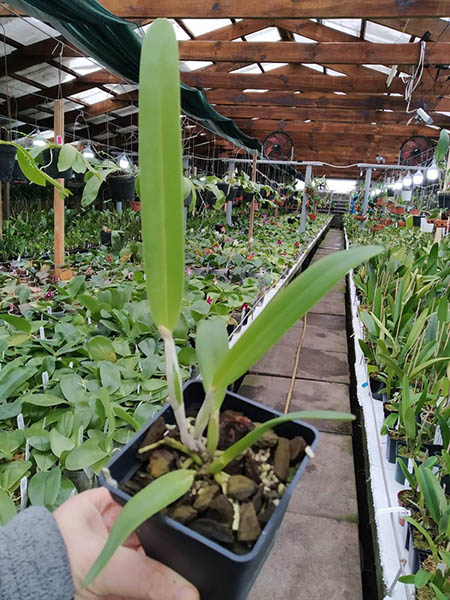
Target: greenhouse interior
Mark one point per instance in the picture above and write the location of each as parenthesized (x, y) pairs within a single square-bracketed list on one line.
[(225, 285)]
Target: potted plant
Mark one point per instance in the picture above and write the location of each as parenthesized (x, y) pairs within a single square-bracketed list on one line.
[(219, 572)]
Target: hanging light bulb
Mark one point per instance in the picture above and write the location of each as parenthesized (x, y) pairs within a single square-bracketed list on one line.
[(124, 163), (407, 181), (38, 139), (432, 172), (398, 185), (418, 178), (88, 152)]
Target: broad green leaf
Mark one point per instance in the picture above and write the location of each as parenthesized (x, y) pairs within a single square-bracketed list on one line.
[(110, 376), (41, 441), (11, 473), (18, 339), (84, 456), (432, 492), (422, 578), (105, 399), (187, 356), (406, 473), (369, 323), (44, 460), (59, 443), (425, 534), (9, 410), (7, 508), (101, 348), (161, 187), (47, 400), (286, 309), (439, 595), (66, 157), (143, 505), (17, 322), (211, 346), (73, 388), (442, 312), (442, 148), (12, 381), (43, 488), (121, 413), (251, 438)]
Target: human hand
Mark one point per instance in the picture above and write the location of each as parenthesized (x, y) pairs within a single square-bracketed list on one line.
[(85, 522)]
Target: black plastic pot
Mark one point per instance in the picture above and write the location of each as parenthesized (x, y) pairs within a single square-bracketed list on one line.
[(121, 188), (417, 220), (416, 556), (7, 160), (218, 573), (444, 199), (105, 238), (17, 174), (248, 196), (230, 192), (391, 448), (390, 192), (50, 165), (399, 477), (375, 386)]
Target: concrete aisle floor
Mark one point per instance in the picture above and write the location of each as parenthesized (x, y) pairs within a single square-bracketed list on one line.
[(316, 555)]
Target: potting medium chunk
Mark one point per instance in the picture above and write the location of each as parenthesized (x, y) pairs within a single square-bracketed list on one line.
[(240, 487), (221, 510), (213, 530), (258, 499), (251, 469), (154, 434), (282, 459), (160, 461), (268, 440), (297, 448), (205, 496), (183, 514), (265, 514), (249, 528)]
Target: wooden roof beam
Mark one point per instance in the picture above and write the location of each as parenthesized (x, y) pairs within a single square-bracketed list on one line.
[(321, 52)]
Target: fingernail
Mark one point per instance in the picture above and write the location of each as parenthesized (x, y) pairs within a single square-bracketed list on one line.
[(187, 594)]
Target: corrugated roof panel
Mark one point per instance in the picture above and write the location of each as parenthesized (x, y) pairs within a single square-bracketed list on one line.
[(379, 68), (270, 34), (349, 26), (248, 69), (68, 105), (46, 75), (381, 34), (5, 49), (272, 66), (201, 26), (193, 65), (302, 39), (127, 110), (27, 30), (121, 88), (92, 96), (81, 65)]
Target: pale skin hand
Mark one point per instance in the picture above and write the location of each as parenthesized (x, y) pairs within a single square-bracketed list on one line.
[(85, 521)]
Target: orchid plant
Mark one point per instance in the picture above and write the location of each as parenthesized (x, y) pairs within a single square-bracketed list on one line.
[(161, 187)]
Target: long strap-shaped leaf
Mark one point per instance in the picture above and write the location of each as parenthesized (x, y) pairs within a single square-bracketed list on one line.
[(161, 173), (146, 503), (286, 308), (251, 438)]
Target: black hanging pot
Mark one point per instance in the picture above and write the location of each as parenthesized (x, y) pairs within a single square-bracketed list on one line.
[(49, 160), (121, 188), (7, 161), (216, 571), (230, 192), (444, 199), (18, 175), (248, 196), (105, 238)]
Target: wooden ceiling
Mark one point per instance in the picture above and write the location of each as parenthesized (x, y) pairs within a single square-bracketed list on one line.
[(338, 109)]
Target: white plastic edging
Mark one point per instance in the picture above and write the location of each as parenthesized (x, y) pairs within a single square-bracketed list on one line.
[(390, 534), (273, 291)]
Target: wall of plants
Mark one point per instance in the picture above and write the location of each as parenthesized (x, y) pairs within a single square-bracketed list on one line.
[(81, 362), (404, 305)]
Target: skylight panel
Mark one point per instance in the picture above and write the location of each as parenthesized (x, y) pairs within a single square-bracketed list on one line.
[(81, 65), (16, 88), (202, 26), (92, 96), (313, 66), (349, 26), (46, 75), (272, 66), (257, 91), (379, 68), (302, 39), (27, 30), (99, 119), (381, 34), (121, 88), (340, 93), (193, 65), (6, 49), (270, 34), (248, 69), (127, 110), (335, 73)]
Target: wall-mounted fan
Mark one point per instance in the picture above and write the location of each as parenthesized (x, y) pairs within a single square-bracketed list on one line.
[(416, 150), (278, 146)]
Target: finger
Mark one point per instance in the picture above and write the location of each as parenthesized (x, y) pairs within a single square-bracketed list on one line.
[(110, 514), (132, 575)]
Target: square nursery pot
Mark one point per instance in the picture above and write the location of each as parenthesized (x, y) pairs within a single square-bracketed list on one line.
[(444, 199), (218, 573)]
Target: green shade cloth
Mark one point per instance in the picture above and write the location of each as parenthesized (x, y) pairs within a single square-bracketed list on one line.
[(114, 43)]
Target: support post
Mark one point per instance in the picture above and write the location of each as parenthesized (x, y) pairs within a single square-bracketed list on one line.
[(229, 205), (252, 204), (308, 177), (366, 194), (58, 199)]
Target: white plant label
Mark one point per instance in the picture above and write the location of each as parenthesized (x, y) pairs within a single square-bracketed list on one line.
[(42, 332), (45, 379)]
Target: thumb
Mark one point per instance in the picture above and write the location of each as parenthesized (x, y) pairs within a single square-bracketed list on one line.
[(131, 574)]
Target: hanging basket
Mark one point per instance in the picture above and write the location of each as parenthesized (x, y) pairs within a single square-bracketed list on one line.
[(7, 161), (50, 165), (122, 188)]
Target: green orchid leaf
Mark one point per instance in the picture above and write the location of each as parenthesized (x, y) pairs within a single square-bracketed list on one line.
[(161, 185), (66, 157), (251, 438), (286, 309), (11, 473), (101, 348), (59, 443), (8, 509), (43, 488), (143, 505), (432, 491), (442, 148), (17, 322), (47, 400), (439, 595), (212, 347), (11, 382), (84, 456), (110, 376)]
